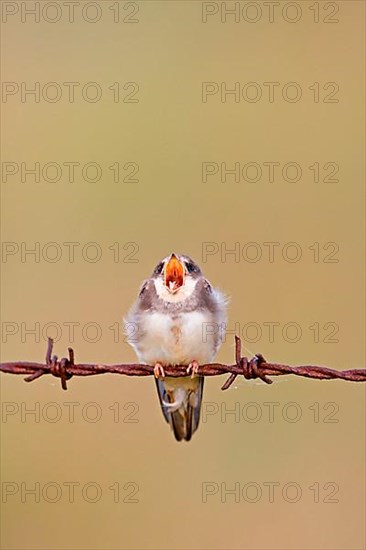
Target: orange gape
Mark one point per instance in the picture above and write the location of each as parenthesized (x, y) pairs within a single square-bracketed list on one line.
[(174, 274)]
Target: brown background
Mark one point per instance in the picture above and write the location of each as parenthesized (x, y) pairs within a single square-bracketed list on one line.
[(169, 133)]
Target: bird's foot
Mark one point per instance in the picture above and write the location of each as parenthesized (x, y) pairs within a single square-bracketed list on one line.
[(159, 371), (193, 367)]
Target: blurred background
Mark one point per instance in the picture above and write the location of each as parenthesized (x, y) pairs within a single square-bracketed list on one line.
[(131, 168)]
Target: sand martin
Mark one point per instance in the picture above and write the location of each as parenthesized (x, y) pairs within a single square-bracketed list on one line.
[(178, 319)]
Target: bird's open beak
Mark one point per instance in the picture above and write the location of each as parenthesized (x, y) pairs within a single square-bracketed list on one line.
[(174, 274)]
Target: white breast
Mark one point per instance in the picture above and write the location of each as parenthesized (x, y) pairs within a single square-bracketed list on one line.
[(175, 341)]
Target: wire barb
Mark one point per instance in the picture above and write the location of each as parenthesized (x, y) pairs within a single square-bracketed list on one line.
[(256, 367), (57, 368)]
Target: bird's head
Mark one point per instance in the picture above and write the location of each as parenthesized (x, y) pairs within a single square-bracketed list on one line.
[(175, 277)]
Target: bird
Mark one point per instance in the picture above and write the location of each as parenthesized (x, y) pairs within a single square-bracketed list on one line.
[(177, 319)]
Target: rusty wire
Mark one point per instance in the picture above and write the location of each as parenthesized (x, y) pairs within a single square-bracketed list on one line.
[(257, 367)]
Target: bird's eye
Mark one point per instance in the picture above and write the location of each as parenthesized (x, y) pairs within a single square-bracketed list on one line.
[(191, 268), (159, 268)]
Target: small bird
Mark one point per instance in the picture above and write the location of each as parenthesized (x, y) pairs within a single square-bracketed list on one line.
[(178, 319)]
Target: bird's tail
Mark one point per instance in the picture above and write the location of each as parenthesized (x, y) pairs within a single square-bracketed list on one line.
[(180, 400)]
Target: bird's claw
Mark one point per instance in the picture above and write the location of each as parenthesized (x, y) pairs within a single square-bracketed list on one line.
[(159, 371), (193, 366)]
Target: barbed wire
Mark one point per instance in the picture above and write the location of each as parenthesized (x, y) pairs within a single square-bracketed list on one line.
[(256, 367)]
